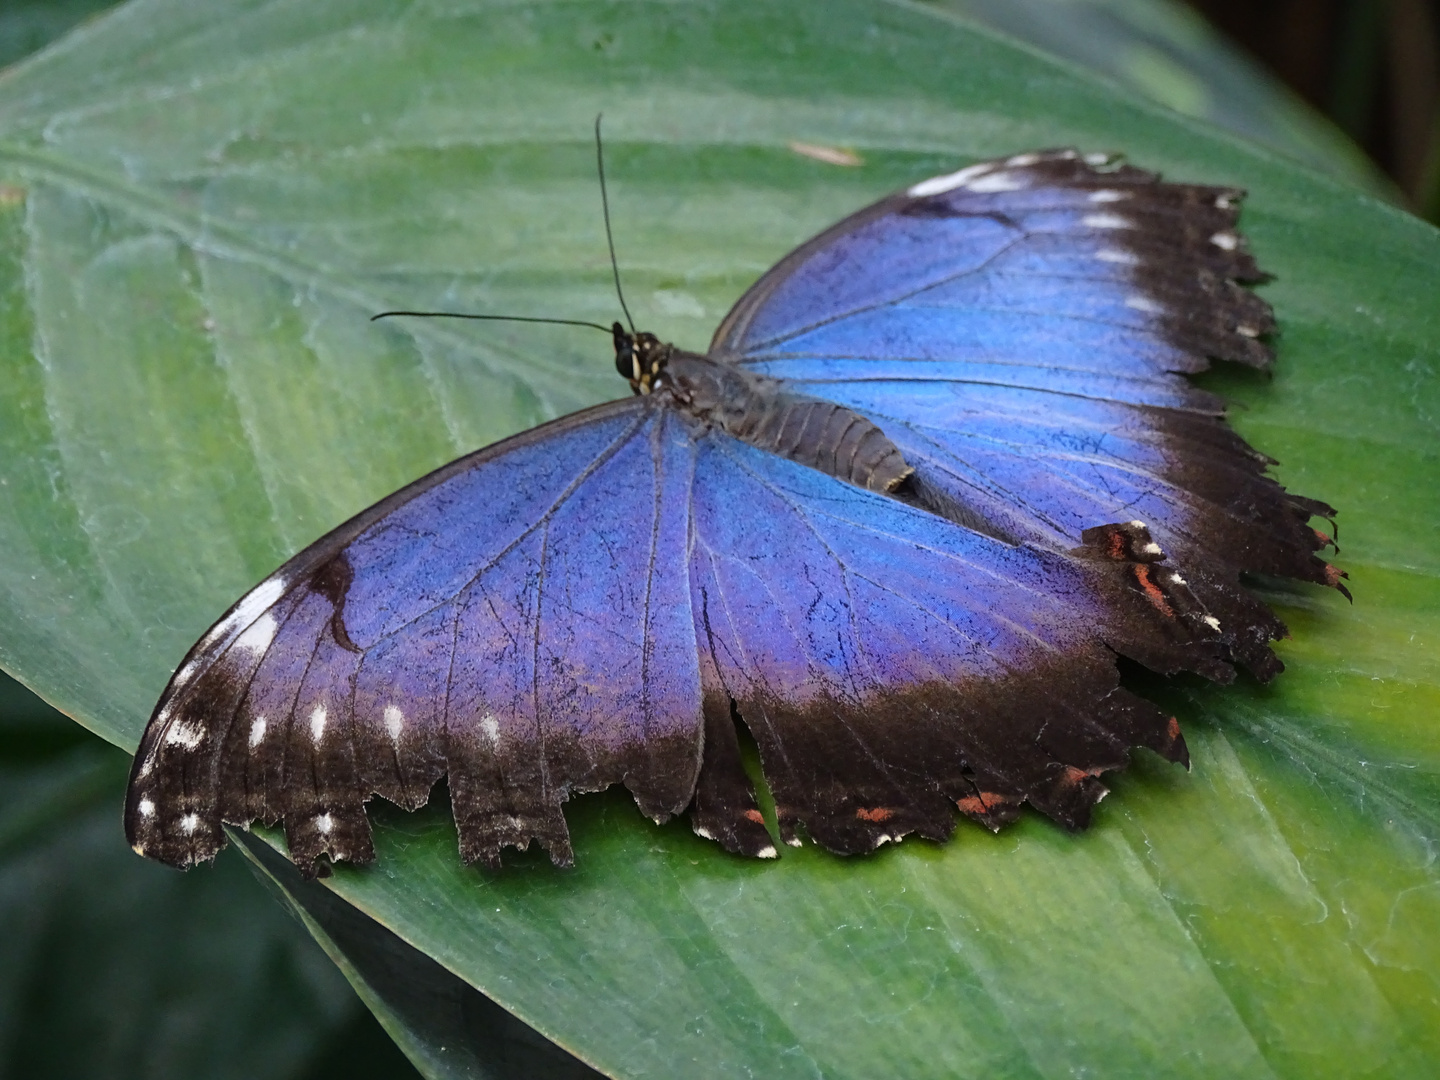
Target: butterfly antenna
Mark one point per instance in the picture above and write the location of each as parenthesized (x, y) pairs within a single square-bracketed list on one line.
[(609, 236), (490, 318)]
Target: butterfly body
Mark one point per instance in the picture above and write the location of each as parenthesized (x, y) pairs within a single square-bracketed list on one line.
[(761, 411), (938, 468)]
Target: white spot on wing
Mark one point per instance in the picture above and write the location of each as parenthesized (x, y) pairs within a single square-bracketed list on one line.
[(1105, 195), (258, 638), (703, 832), (1247, 331), (1137, 523), (146, 808), (257, 731), (1143, 303), (1212, 622), (254, 602), (1152, 548), (937, 185), (325, 823), (394, 721), (1097, 159), (160, 719), (767, 852), (794, 841), (1226, 241), (1022, 160), (994, 182), (1110, 255), (1176, 579), (317, 724), (189, 823), (1224, 202), (491, 727), (1105, 221), (183, 734)]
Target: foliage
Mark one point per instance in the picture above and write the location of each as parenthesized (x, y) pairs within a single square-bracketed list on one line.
[(202, 203)]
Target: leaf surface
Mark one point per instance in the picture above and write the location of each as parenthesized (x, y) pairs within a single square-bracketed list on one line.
[(203, 202)]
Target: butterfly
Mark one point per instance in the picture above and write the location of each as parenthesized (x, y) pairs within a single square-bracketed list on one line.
[(940, 466)]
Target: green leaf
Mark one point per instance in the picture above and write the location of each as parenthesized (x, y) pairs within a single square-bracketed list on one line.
[(448, 1027), (1165, 50), (204, 201), (28, 25)]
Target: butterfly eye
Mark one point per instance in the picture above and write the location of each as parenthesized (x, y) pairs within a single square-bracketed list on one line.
[(639, 358), (624, 352)]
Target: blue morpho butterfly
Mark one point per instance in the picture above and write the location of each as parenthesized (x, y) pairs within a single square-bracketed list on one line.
[(940, 465)]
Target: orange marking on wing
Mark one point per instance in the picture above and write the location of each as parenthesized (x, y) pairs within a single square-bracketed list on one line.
[(755, 816), (1173, 729), (1074, 775), (879, 814), (1333, 574), (1117, 546), (982, 803), (1152, 591), (1325, 539)]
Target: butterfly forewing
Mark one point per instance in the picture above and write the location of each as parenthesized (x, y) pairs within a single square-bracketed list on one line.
[(518, 620)]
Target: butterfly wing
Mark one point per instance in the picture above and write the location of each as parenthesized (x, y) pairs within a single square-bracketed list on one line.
[(592, 602), (518, 620), (893, 665), (1022, 330)]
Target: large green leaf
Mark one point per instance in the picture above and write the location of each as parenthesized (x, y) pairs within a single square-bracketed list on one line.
[(445, 1025), (204, 201)]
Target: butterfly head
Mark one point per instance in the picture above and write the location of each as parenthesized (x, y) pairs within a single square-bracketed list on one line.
[(640, 358)]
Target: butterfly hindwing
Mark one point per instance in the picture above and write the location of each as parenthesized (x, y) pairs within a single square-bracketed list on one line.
[(892, 665)]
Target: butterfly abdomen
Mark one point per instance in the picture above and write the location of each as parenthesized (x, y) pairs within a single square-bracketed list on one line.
[(814, 432)]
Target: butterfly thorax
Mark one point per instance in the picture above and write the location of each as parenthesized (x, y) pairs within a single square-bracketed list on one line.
[(762, 412)]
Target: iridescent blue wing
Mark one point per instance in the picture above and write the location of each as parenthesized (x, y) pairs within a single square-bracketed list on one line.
[(1022, 330), (518, 620), (598, 600), (893, 665)]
